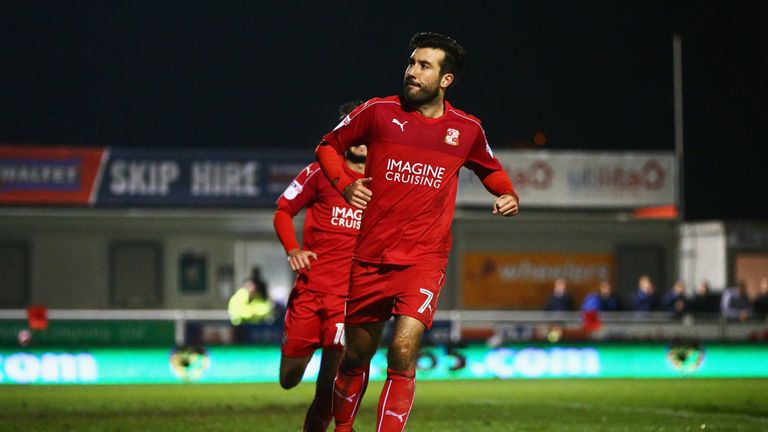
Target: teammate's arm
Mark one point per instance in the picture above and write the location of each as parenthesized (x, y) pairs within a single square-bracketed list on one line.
[(352, 130), (354, 192), (298, 259), (299, 194)]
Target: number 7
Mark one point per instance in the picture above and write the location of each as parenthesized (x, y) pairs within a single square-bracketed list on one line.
[(426, 304)]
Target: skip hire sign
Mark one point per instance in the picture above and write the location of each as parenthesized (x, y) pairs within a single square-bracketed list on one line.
[(205, 178)]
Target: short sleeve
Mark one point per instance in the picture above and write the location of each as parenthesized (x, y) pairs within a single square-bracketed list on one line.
[(481, 159), (354, 129), (301, 192)]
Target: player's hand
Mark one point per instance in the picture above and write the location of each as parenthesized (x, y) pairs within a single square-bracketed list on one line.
[(357, 195), (505, 205), (299, 259)]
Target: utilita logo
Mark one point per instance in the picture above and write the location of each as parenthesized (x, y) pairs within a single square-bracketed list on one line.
[(650, 176)]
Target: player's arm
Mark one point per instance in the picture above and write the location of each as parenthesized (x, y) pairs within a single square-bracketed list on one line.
[(499, 184), (354, 192), (298, 259), (352, 130), (490, 172), (299, 194)]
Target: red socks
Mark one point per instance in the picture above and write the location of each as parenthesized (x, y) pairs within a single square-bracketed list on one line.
[(348, 390), (394, 404), (396, 400)]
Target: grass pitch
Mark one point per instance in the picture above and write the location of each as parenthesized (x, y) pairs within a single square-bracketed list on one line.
[(544, 405)]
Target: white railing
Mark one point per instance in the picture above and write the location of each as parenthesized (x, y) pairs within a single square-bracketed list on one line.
[(632, 324)]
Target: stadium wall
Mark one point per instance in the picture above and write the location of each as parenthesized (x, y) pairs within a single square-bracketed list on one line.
[(71, 252)]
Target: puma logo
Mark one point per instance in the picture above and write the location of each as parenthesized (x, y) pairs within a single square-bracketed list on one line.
[(402, 125), (349, 399), (394, 414)]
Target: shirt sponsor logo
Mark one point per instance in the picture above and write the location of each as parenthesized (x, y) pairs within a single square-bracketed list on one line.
[(420, 174), (346, 217), (452, 137)]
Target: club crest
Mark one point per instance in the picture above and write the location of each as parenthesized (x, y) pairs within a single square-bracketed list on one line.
[(452, 137)]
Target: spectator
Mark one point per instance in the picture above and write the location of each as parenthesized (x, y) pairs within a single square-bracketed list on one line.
[(644, 299), (674, 301), (251, 304), (602, 300), (560, 300), (704, 300), (735, 304), (760, 305)]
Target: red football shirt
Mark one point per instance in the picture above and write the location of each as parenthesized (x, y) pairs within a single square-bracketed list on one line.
[(330, 228), (414, 162)]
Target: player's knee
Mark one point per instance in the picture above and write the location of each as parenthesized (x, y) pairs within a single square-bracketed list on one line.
[(289, 381), (355, 359), (290, 377), (402, 355), (358, 356)]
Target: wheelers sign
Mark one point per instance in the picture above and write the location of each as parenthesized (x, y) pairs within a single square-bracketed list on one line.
[(524, 281)]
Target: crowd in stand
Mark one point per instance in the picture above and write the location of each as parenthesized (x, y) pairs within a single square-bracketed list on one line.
[(733, 303)]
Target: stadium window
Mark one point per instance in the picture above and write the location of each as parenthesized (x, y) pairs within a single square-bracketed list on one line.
[(135, 274), (14, 266)]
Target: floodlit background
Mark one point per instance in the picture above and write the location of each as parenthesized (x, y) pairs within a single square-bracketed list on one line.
[(143, 145)]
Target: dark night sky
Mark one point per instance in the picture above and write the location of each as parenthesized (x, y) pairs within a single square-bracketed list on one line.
[(237, 74)]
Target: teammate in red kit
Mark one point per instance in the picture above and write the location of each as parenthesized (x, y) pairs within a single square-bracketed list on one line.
[(315, 315), (417, 142)]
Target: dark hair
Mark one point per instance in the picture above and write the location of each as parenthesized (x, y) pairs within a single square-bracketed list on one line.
[(347, 107), (454, 52), (259, 282)]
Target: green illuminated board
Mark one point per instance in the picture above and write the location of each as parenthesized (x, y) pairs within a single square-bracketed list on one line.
[(261, 364), (92, 333)]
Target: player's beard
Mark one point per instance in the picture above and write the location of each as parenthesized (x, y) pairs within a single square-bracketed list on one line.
[(355, 159), (423, 95)]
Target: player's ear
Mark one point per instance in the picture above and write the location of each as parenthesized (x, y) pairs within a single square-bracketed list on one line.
[(446, 80)]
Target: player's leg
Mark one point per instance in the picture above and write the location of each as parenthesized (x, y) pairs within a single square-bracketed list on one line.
[(369, 306), (397, 394), (301, 337), (292, 370), (320, 414), (352, 378), (414, 308)]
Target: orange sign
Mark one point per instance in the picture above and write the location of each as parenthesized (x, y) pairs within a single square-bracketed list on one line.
[(524, 281)]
